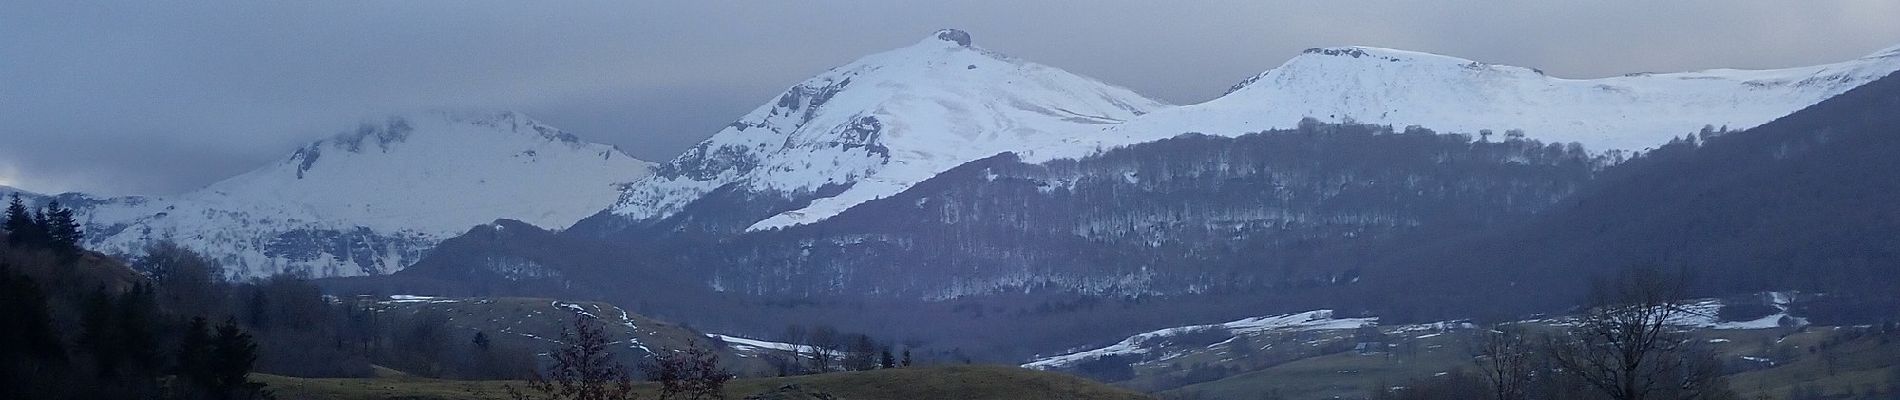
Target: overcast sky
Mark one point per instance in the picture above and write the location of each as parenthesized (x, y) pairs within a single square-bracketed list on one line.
[(143, 97)]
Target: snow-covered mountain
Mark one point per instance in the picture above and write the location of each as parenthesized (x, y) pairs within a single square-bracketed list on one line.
[(1448, 94), (8, 191), (873, 128), (876, 126), (374, 199)]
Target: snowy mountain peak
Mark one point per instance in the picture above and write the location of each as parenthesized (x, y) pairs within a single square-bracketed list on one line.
[(1379, 54), (376, 197), (390, 131), (9, 190), (1374, 60), (1375, 53), (879, 124)]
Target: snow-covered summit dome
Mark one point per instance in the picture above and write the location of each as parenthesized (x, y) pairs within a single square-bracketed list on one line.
[(957, 36)]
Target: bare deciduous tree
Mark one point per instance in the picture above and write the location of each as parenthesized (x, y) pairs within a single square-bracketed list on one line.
[(694, 374), (1625, 346), (583, 368), (825, 347), (1505, 361)]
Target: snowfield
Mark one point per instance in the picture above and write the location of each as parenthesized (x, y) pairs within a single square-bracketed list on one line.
[(1449, 94)]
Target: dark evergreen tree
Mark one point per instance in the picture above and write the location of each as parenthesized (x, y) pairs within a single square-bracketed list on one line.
[(62, 229), (194, 359), (232, 356), (19, 223), (257, 310), (30, 350), (98, 336), (119, 333), (136, 321)]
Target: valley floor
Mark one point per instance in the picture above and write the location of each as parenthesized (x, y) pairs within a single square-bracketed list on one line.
[(1782, 363), (920, 383)]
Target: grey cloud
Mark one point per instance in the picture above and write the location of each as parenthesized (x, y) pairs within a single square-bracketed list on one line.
[(150, 97)]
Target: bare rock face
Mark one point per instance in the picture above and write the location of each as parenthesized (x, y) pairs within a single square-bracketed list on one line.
[(954, 35)]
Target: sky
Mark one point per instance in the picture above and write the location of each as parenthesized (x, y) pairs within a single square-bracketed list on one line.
[(157, 98)]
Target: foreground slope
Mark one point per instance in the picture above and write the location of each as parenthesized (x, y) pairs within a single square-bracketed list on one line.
[(374, 199), (873, 128), (536, 324), (972, 382), (1400, 88)]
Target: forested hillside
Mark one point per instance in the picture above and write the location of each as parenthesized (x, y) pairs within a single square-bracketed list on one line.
[(1802, 203)]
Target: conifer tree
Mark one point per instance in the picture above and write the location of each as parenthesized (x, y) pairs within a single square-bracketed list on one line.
[(98, 335), (194, 357), (21, 224), (30, 350), (232, 356), (62, 229), (40, 216), (136, 318)]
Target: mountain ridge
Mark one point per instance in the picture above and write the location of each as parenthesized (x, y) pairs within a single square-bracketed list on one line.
[(1376, 85), (857, 133), (373, 199)]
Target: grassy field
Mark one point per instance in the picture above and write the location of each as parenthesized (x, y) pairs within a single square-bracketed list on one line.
[(922, 383), (1849, 366), (1831, 359), (1338, 375)]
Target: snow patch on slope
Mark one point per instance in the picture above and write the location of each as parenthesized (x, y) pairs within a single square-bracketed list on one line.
[(1705, 314), (754, 348), (1317, 320)]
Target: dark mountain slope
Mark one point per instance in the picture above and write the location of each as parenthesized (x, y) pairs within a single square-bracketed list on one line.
[(1809, 202), (1191, 214)]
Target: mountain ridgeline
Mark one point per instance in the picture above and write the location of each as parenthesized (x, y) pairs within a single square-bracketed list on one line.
[(373, 199)]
